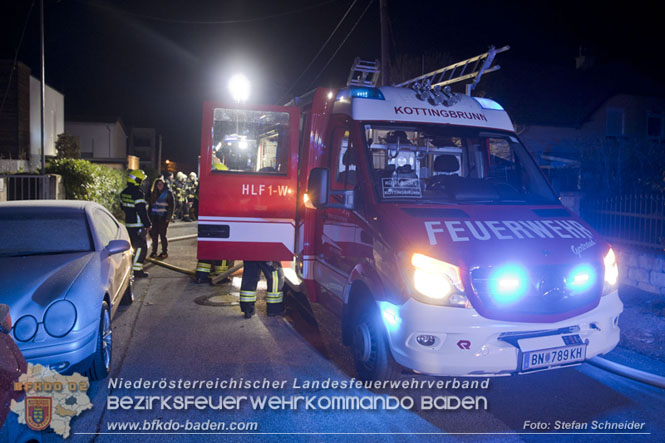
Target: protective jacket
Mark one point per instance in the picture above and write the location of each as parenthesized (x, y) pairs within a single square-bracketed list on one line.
[(134, 204)]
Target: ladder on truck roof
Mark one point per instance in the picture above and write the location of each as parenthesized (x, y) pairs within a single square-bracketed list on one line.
[(472, 68), (364, 73)]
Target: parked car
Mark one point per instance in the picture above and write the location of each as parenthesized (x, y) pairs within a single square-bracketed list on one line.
[(65, 266)]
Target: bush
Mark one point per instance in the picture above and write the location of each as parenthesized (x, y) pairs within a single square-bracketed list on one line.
[(89, 181)]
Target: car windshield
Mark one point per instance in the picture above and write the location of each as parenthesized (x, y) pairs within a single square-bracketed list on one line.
[(40, 232), (448, 164)]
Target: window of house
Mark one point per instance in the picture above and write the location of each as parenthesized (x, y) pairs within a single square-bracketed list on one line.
[(615, 122), (655, 125)]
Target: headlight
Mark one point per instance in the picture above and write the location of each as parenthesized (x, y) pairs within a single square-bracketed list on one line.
[(439, 282), (25, 328), (60, 318), (611, 271)]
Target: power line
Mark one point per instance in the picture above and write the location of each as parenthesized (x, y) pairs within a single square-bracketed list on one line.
[(343, 41), (207, 22), (18, 49), (286, 94)]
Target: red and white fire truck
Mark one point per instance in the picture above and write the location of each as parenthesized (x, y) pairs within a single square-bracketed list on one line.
[(418, 216)]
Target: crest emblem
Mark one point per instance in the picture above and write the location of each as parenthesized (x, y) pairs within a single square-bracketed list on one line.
[(38, 412)]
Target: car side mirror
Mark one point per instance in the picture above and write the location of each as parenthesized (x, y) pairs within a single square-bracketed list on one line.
[(117, 246), (5, 319), (317, 188)]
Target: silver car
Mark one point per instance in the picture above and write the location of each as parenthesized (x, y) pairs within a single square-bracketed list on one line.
[(65, 266)]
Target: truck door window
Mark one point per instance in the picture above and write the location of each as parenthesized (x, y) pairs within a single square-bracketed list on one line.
[(250, 141), (345, 160)]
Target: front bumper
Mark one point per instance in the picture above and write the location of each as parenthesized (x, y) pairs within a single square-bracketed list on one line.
[(62, 354), (466, 344)]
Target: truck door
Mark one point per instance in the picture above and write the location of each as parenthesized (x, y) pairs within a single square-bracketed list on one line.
[(340, 247), (248, 182)]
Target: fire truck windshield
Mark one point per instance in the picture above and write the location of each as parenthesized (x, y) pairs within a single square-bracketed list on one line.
[(448, 164)]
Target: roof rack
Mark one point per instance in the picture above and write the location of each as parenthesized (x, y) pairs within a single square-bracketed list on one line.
[(364, 73), (472, 68)]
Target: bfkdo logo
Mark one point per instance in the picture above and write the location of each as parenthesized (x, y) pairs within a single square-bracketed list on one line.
[(51, 399), (38, 412)]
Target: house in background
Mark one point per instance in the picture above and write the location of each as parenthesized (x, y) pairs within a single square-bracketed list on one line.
[(20, 119), (592, 128), (143, 143), (102, 140)]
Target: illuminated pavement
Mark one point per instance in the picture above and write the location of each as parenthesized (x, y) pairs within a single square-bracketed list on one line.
[(165, 334)]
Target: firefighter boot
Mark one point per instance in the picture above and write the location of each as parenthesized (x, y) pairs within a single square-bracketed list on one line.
[(247, 308), (275, 309)]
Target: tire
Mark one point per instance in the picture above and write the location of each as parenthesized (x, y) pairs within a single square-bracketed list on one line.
[(128, 296), (100, 364), (371, 352)]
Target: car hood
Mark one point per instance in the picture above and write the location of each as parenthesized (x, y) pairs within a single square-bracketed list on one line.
[(38, 279), (546, 242)]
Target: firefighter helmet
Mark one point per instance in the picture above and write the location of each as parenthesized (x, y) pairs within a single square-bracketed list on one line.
[(192, 175), (136, 176)]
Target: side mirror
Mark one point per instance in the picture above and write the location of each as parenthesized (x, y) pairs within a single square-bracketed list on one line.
[(117, 246), (5, 319), (317, 187)]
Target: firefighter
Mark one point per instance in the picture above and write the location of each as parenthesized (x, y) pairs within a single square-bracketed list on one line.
[(180, 194), (275, 283), (137, 221), (206, 269), (161, 211)]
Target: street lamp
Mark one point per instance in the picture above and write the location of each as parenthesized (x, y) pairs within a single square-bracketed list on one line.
[(239, 87)]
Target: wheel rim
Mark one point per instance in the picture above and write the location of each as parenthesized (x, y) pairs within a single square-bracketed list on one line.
[(107, 341), (362, 339)]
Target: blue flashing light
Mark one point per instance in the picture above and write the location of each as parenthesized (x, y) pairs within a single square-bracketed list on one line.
[(486, 103), (364, 92), (508, 284), (390, 314), (581, 278)]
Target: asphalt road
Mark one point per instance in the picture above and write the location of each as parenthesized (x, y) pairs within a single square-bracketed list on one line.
[(167, 335)]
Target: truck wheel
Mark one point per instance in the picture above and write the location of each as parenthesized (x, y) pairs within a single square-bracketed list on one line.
[(100, 364), (128, 296), (371, 352)]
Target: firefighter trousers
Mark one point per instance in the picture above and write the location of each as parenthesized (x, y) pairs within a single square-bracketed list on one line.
[(158, 231), (204, 268), (250, 280), (137, 237)]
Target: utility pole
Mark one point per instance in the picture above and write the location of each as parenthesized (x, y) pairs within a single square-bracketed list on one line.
[(385, 41), (43, 81), (159, 156)]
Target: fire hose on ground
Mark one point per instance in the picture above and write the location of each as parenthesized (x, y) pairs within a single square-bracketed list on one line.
[(628, 372), (215, 279), (607, 365)]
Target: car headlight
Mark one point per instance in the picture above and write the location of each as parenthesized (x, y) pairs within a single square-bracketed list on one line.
[(25, 328), (611, 272), (438, 282), (60, 318)]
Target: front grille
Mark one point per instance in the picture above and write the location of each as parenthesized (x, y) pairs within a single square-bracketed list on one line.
[(546, 294)]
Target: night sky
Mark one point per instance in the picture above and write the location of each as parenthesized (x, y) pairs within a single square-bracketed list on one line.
[(153, 62)]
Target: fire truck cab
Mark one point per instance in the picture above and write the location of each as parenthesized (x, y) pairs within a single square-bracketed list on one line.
[(421, 220)]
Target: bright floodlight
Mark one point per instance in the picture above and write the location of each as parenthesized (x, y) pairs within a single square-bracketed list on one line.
[(239, 87)]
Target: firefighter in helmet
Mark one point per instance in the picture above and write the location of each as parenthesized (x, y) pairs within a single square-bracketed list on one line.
[(275, 284), (137, 220)]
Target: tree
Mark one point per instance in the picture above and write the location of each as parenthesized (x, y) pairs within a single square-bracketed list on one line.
[(67, 146)]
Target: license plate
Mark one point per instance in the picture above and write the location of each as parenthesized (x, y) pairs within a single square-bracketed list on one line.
[(545, 358)]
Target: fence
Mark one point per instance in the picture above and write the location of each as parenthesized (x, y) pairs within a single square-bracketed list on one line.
[(632, 220), (29, 187)]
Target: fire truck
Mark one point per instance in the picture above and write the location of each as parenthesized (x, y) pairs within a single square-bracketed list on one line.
[(417, 216)]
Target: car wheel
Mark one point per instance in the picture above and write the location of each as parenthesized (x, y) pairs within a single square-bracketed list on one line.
[(128, 296), (101, 359), (371, 352)]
